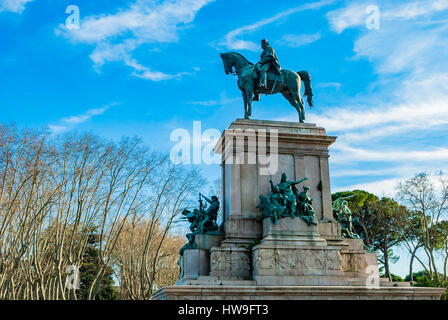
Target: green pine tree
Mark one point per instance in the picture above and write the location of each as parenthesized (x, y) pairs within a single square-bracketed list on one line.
[(89, 269)]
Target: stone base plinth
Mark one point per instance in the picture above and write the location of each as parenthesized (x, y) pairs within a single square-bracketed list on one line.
[(291, 232), (242, 229), (208, 241), (220, 292), (274, 265), (356, 263), (194, 263), (293, 253), (230, 263)]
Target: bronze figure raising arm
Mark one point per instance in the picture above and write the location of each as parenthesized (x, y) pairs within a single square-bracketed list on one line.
[(297, 182)]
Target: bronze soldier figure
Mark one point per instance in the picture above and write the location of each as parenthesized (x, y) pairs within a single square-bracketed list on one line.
[(210, 215), (268, 60)]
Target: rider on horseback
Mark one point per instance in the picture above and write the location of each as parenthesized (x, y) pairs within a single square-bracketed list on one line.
[(268, 59)]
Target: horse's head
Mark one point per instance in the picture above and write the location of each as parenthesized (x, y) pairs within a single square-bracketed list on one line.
[(228, 63)]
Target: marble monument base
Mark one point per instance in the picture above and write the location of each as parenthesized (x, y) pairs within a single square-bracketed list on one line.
[(256, 259), (241, 292)]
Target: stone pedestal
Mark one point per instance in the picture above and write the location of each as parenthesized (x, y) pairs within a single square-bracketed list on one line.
[(195, 263), (254, 152)]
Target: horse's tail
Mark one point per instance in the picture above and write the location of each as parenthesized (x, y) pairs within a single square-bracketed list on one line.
[(306, 78)]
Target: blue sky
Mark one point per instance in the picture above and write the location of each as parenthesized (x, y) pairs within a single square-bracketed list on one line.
[(142, 67)]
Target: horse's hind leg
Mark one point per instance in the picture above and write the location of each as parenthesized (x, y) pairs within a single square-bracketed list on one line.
[(300, 105), (288, 96)]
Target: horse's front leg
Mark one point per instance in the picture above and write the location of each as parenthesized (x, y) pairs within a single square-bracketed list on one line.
[(246, 116)]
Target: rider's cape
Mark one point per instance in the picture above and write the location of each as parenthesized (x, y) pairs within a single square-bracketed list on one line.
[(269, 54)]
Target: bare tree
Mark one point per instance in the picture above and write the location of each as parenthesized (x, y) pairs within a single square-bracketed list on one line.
[(147, 234), (55, 192)]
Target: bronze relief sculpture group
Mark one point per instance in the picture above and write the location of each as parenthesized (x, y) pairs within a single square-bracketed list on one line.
[(285, 200)]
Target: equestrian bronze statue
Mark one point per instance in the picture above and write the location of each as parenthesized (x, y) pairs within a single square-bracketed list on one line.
[(267, 77)]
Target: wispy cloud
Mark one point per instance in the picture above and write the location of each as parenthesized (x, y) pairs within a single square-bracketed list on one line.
[(231, 40), (86, 116), (382, 188), (351, 154), (223, 100), (54, 129), (116, 36), (70, 122), (17, 6), (299, 40), (336, 85), (395, 118), (388, 187), (143, 72), (346, 17), (355, 14)]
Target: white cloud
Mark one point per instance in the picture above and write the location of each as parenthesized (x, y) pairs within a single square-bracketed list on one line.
[(408, 101), (350, 16), (352, 154), (356, 14), (415, 54), (17, 6), (392, 118), (115, 36), (146, 73), (54, 129), (411, 10), (336, 85), (223, 100), (70, 122), (408, 49), (298, 40), (402, 171), (86, 116), (232, 42), (382, 188), (388, 187)]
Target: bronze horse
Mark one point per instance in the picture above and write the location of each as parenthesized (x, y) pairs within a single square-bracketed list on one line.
[(288, 83)]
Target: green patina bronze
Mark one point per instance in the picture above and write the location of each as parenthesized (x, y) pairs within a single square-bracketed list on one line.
[(202, 220), (267, 77), (285, 200), (345, 217)]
